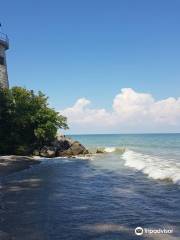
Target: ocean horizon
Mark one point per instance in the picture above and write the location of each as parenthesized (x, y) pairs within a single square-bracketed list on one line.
[(90, 120), (143, 152)]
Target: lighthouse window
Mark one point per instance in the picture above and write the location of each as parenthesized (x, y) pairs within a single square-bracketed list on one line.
[(1, 60)]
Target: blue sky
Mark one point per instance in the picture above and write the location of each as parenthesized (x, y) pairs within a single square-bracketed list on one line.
[(93, 49)]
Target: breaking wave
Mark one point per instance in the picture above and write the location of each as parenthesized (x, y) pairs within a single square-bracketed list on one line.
[(154, 167), (97, 150), (114, 149)]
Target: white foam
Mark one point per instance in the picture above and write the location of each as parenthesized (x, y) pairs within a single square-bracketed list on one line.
[(154, 167), (85, 157), (114, 149), (110, 149)]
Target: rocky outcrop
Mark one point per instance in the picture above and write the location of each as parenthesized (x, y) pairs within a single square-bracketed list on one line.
[(62, 147), (48, 151), (75, 148), (99, 151), (62, 143)]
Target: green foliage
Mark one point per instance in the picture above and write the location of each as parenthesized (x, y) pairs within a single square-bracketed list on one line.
[(26, 121)]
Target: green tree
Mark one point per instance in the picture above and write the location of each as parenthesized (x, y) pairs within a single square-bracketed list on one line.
[(26, 121)]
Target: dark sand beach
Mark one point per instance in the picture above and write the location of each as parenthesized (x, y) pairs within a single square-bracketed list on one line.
[(99, 197), (12, 163)]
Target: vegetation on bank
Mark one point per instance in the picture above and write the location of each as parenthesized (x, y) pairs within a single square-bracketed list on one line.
[(26, 121)]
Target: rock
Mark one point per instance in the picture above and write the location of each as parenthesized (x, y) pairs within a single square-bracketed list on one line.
[(62, 138), (36, 152), (77, 148), (62, 147), (65, 153), (62, 143), (48, 151), (99, 151), (86, 152)]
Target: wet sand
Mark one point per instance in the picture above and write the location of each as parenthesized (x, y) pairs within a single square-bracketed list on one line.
[(74, 199), (12, 163)]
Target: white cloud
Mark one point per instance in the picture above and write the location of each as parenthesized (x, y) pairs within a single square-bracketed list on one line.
[(167, 111), (131, 112), (129, 103), (81, 113)]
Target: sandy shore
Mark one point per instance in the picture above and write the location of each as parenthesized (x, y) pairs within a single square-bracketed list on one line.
[(11, 164)]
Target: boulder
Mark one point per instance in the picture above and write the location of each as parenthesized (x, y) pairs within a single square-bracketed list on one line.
[(62, 143), (62, 147), (99, 151), (48, 151), (36, 152), (65, 153), (86, 152), (76, 148)]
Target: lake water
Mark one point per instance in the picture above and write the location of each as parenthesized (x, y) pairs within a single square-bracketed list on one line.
[(136, 183)]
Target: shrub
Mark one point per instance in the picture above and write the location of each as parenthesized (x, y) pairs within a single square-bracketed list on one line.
[(26, 121)]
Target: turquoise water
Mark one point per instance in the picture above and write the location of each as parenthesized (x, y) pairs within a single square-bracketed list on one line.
[(158, 144), (156, 155), (134, 183)]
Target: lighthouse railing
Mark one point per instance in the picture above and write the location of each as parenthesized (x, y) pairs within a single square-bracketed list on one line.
[(4, 38)]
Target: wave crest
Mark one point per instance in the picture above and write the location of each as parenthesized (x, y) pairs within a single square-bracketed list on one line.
[(154, 167), (114, 149)]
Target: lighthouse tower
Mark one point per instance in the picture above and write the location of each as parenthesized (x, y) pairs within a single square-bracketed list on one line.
[(4, 45)]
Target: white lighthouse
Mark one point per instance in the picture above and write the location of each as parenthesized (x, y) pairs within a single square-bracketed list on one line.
[(4, 45)]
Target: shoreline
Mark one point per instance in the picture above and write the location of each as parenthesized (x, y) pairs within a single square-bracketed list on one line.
[(12, 163)]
